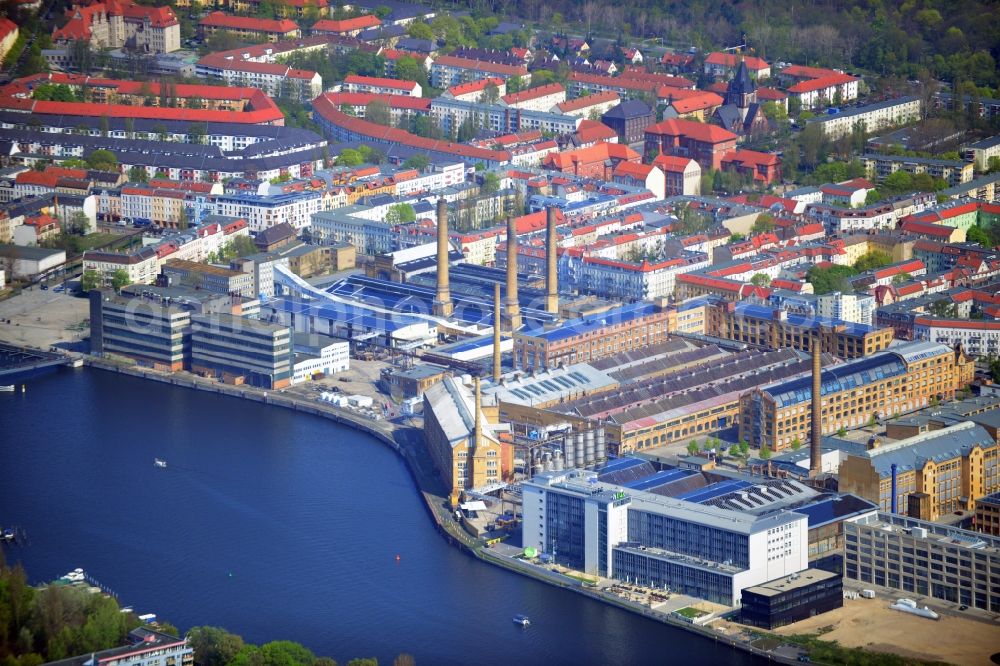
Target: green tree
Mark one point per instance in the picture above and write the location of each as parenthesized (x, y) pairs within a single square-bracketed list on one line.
[(348, 157), (80, 223), (137, 174), (491, 93), (420, 30), (244, 246), (378, 112), (993, 165), (901, 278), (828, 279), (491, 183), (197, 132), (796, 444), (873, 196), (515, 84), (841, 431), (765, 451), (91, 280), (286, 653), (119, 279), (976, 234), (898, 182), (369, 661), (760, 280), (763, 224), (872, 259), (102, 160), (418, 161), (401, 213), (693, 447)]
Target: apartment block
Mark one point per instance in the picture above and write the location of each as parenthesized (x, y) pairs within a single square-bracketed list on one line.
[(952, 171), (874, 117)]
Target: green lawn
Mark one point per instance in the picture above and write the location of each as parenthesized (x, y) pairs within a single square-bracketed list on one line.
[(690, 613)]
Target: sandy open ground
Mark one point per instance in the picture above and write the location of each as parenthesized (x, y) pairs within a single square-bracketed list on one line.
[(871, 624), (43, 318)]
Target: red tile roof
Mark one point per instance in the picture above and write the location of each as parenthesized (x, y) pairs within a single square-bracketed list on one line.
[(534, 93), (346, 25), (770, 94), (804, 72), (475, 86), (753, 63), (813, 85), (328, 108), (751, 158), (698, 102), (604, 97), (394, 101), (633, 170), (599, 152), (671, 164), (481, 65), (224, 21), (692, 130)]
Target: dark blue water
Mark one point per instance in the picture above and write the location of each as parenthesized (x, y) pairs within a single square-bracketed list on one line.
[(277, 525)]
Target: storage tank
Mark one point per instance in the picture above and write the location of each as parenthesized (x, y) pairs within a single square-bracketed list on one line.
[(590, 444), (537, 469), (557, 461), (547, 457), (602, 447), (580, 450), (569, 449)]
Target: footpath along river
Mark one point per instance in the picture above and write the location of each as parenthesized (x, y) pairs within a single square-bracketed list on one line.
[(278, 525)]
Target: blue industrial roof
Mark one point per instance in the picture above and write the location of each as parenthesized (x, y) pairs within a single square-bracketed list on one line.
[(746, 309), (661, 478), (833, 509), (854, 374), (714, 490), (348, 314), (581, 325)]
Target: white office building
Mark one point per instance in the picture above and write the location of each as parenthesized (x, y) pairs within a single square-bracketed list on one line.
[(698, 549)]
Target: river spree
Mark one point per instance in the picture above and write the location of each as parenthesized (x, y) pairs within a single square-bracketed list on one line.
[(278, 525)]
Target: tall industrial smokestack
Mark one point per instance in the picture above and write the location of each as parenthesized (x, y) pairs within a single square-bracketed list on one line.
[(442, 301), (496, 333), (551, 267), (815, 455), (513, 316), (478, 431)]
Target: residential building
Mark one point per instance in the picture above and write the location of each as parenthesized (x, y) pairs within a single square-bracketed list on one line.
[(214, 279), (981, 152), (924, 558), (880, 385), (539, 98), (447, 71), (464, 437), (720, 64), (475, 91), (589, 105), (239, 350), (706, 144), (764, 168), (629, 120), (816, 87), (682, 175), (116, 24), (249, 27), (873, 117), (350, 27), (145, 648), (952, 171), (855, 308), (597, 161), (8, 36), (277, 80), (382, 86), (262, 212), (641, 175), (142, 266)]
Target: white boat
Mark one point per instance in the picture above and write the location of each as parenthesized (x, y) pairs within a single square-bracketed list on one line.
[(7, 388), (75, 576), (910, 606), (159, 463), (522, 620)]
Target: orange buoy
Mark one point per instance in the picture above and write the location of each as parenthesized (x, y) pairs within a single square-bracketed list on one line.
[(397, 558)]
